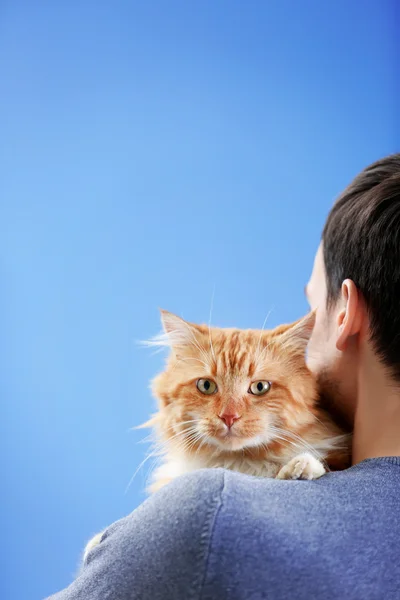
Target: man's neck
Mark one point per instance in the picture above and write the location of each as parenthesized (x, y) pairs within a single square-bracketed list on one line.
[(377, 417)]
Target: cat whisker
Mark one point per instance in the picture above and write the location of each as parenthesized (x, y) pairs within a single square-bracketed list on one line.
[(304, 443), (196, 359), (196, 343), (299, 441), (297, 445), (152, 468), (185, 432), (194, 440), (147, 439), (189, 442), (265, 446), (162, 446), (182, 423), (262, 330), (209, 328), (201, 444), (137, 470), (153, 434), (260, 355), (315, 418)]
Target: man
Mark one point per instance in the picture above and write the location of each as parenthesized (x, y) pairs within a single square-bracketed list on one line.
[(218, 535)]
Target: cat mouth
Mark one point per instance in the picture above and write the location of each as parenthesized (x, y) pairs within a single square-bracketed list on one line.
[(228, 433), (230, 442), (229, 438)]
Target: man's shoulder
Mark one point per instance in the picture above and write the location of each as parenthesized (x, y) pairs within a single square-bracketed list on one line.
[(197, 493), (219, 534), (198, 497), (307, 539)]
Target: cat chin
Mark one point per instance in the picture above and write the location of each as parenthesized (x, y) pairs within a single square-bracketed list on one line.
[(235, 443)]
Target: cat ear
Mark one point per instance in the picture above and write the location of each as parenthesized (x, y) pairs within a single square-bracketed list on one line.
[(177, 331), (298, 335)]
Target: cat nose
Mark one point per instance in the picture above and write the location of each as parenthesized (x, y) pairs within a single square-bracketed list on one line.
[(229, 419)]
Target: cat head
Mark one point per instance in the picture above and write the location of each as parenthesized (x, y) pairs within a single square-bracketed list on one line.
[(230, 390)]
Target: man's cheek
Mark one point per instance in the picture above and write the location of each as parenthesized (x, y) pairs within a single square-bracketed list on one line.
[(315, 350), (312, 354)]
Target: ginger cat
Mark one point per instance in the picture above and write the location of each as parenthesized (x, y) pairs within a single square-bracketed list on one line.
[(243, 400)]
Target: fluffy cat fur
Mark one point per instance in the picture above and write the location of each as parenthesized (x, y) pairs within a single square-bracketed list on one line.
[(272, 429), (282, 433)]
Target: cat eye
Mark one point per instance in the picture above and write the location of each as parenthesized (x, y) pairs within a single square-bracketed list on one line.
[(259, 388), (206, 386)]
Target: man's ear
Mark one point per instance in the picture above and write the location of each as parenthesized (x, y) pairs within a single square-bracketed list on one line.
[(350, 316)]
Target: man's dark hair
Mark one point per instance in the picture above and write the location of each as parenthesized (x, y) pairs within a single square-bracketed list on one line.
[(361, 241)]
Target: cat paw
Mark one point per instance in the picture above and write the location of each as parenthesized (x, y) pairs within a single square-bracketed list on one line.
[(303, 466)]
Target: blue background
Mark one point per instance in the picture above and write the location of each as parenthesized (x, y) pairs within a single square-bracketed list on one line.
[(150, 151)]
